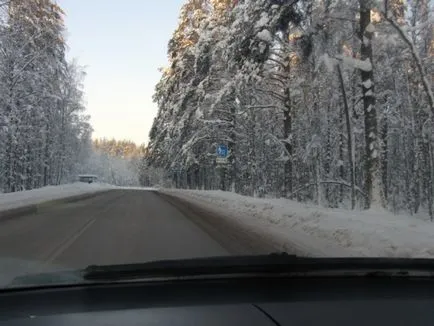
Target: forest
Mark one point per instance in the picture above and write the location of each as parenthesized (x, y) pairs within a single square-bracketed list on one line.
[(44, 130), (323, 101), (117, 162)]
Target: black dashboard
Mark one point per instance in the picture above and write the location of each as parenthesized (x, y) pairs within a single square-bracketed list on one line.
[(228, 301)]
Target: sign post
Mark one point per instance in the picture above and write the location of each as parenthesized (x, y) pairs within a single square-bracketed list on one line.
[(222, 154)]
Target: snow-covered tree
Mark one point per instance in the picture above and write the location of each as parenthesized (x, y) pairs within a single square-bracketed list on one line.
[(42, 125), (324, 101)]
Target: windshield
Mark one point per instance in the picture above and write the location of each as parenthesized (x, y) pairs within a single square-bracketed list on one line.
[(179, 129)]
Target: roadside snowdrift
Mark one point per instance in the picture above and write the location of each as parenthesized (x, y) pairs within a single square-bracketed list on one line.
[(319, 231), (37, 196)]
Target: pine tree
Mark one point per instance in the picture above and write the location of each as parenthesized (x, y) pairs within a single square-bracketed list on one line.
[(314, 98), (41, 99)]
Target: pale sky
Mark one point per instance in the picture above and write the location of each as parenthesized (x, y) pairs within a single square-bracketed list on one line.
[(122, 44)]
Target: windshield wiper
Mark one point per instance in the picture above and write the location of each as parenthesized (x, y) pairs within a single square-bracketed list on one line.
[(190, 267), (246, 266), (266, 264)]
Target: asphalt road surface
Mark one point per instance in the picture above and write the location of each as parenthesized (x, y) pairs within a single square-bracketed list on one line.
[(122, 226)]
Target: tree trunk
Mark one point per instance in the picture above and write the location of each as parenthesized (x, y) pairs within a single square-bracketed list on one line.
[(10, 163), (287, 134), (350, 149), (367, 75), (384, 156), (232, 173), (328, 159), (318, 175), (430, 181), (341, 155), (46, 169)]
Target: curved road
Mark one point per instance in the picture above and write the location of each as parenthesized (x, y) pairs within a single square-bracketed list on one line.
[(122, 226)]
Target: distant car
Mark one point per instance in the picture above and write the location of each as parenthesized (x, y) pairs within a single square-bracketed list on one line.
[(88, 178)]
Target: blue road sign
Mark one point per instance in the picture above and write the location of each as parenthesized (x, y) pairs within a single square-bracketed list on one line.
[(222, 151)]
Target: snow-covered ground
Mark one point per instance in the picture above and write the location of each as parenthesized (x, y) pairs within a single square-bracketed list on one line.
[(137, 188), (318, 231), (36, 196)]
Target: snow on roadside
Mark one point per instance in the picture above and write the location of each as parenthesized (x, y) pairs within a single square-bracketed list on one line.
[(36, 196), (322, 232), (137, 188)]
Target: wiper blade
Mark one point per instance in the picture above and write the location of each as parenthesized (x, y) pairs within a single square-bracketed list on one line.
[(266, 265), (166, 268), (255, 265), (189, 267)]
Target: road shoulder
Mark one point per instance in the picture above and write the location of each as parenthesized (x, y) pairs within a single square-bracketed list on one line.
[(230, 234)]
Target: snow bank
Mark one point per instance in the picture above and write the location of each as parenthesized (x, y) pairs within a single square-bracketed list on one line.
[(322, 232), (36, 196), (137, 188)]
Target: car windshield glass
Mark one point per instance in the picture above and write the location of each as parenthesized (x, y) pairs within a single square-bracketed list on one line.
[(144, 131)]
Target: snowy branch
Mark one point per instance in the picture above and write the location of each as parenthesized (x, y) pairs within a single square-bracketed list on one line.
[(365, 65), (276, 95), (418, 61)]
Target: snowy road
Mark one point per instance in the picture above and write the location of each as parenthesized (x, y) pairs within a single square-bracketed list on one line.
[(120, 226)]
